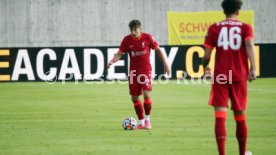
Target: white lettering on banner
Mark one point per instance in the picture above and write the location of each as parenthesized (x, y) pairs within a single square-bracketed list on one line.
[(152, 63), (22, 57), (111, 71), (87, 64), (69, 56), (52, 73), (59, 65), (128, 63), (74, 71), (170, 58)]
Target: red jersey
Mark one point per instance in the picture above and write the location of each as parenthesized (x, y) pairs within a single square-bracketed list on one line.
[(139, 51), (228, 37)]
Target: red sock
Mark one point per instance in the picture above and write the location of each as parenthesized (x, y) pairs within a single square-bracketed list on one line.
[(220, 131), (147, 106), (241, 133), (139, 109)]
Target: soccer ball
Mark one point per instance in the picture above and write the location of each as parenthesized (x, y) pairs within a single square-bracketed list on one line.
[(129, 123)]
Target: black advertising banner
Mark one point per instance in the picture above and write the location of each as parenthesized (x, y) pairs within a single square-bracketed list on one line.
[(89, 63), (267, 60)]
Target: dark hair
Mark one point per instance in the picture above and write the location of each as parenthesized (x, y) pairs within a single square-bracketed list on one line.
[(134, 23), (231, 6)]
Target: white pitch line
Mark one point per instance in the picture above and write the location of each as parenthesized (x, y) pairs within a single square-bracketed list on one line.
[(208, 85), (263, 90)]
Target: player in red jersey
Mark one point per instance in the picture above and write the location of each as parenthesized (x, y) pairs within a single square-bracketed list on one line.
[(138, 45), (234, 44)]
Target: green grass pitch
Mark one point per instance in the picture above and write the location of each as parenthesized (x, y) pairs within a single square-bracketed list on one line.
[(79, 119)]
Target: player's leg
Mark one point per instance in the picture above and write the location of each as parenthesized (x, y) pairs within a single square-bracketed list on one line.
[(147, 108), (220, 129), (146, 85), (135, 92), (241, 130), (239, 105), (147, 102), (219, 99), (139, 110)]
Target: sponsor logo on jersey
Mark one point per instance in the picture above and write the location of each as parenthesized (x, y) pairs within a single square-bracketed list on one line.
[(138, 53)]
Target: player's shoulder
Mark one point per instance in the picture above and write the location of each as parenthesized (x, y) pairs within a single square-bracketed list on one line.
[(245, 25), (146, 35), (213, 26), (127, 37)]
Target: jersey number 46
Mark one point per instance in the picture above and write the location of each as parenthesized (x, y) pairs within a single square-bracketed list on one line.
[(234, 39)]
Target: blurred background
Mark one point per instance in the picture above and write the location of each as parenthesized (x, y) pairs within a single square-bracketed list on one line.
[(33, 23)]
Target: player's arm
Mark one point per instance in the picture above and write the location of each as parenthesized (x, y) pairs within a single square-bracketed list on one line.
[(116, 57), (206, 60), (163, 60), (249, 44), (209, 44)]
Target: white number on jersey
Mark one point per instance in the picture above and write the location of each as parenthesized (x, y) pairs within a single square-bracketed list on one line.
[(226, 41)]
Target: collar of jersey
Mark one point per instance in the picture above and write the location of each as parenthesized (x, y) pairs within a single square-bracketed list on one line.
[(137, 38), (231, 19)]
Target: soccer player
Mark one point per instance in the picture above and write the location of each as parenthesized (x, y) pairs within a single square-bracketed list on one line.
[(234, 44), (138, 45)]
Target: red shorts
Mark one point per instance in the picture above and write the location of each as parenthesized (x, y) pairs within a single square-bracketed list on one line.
[(237, 92), (138, 83)]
